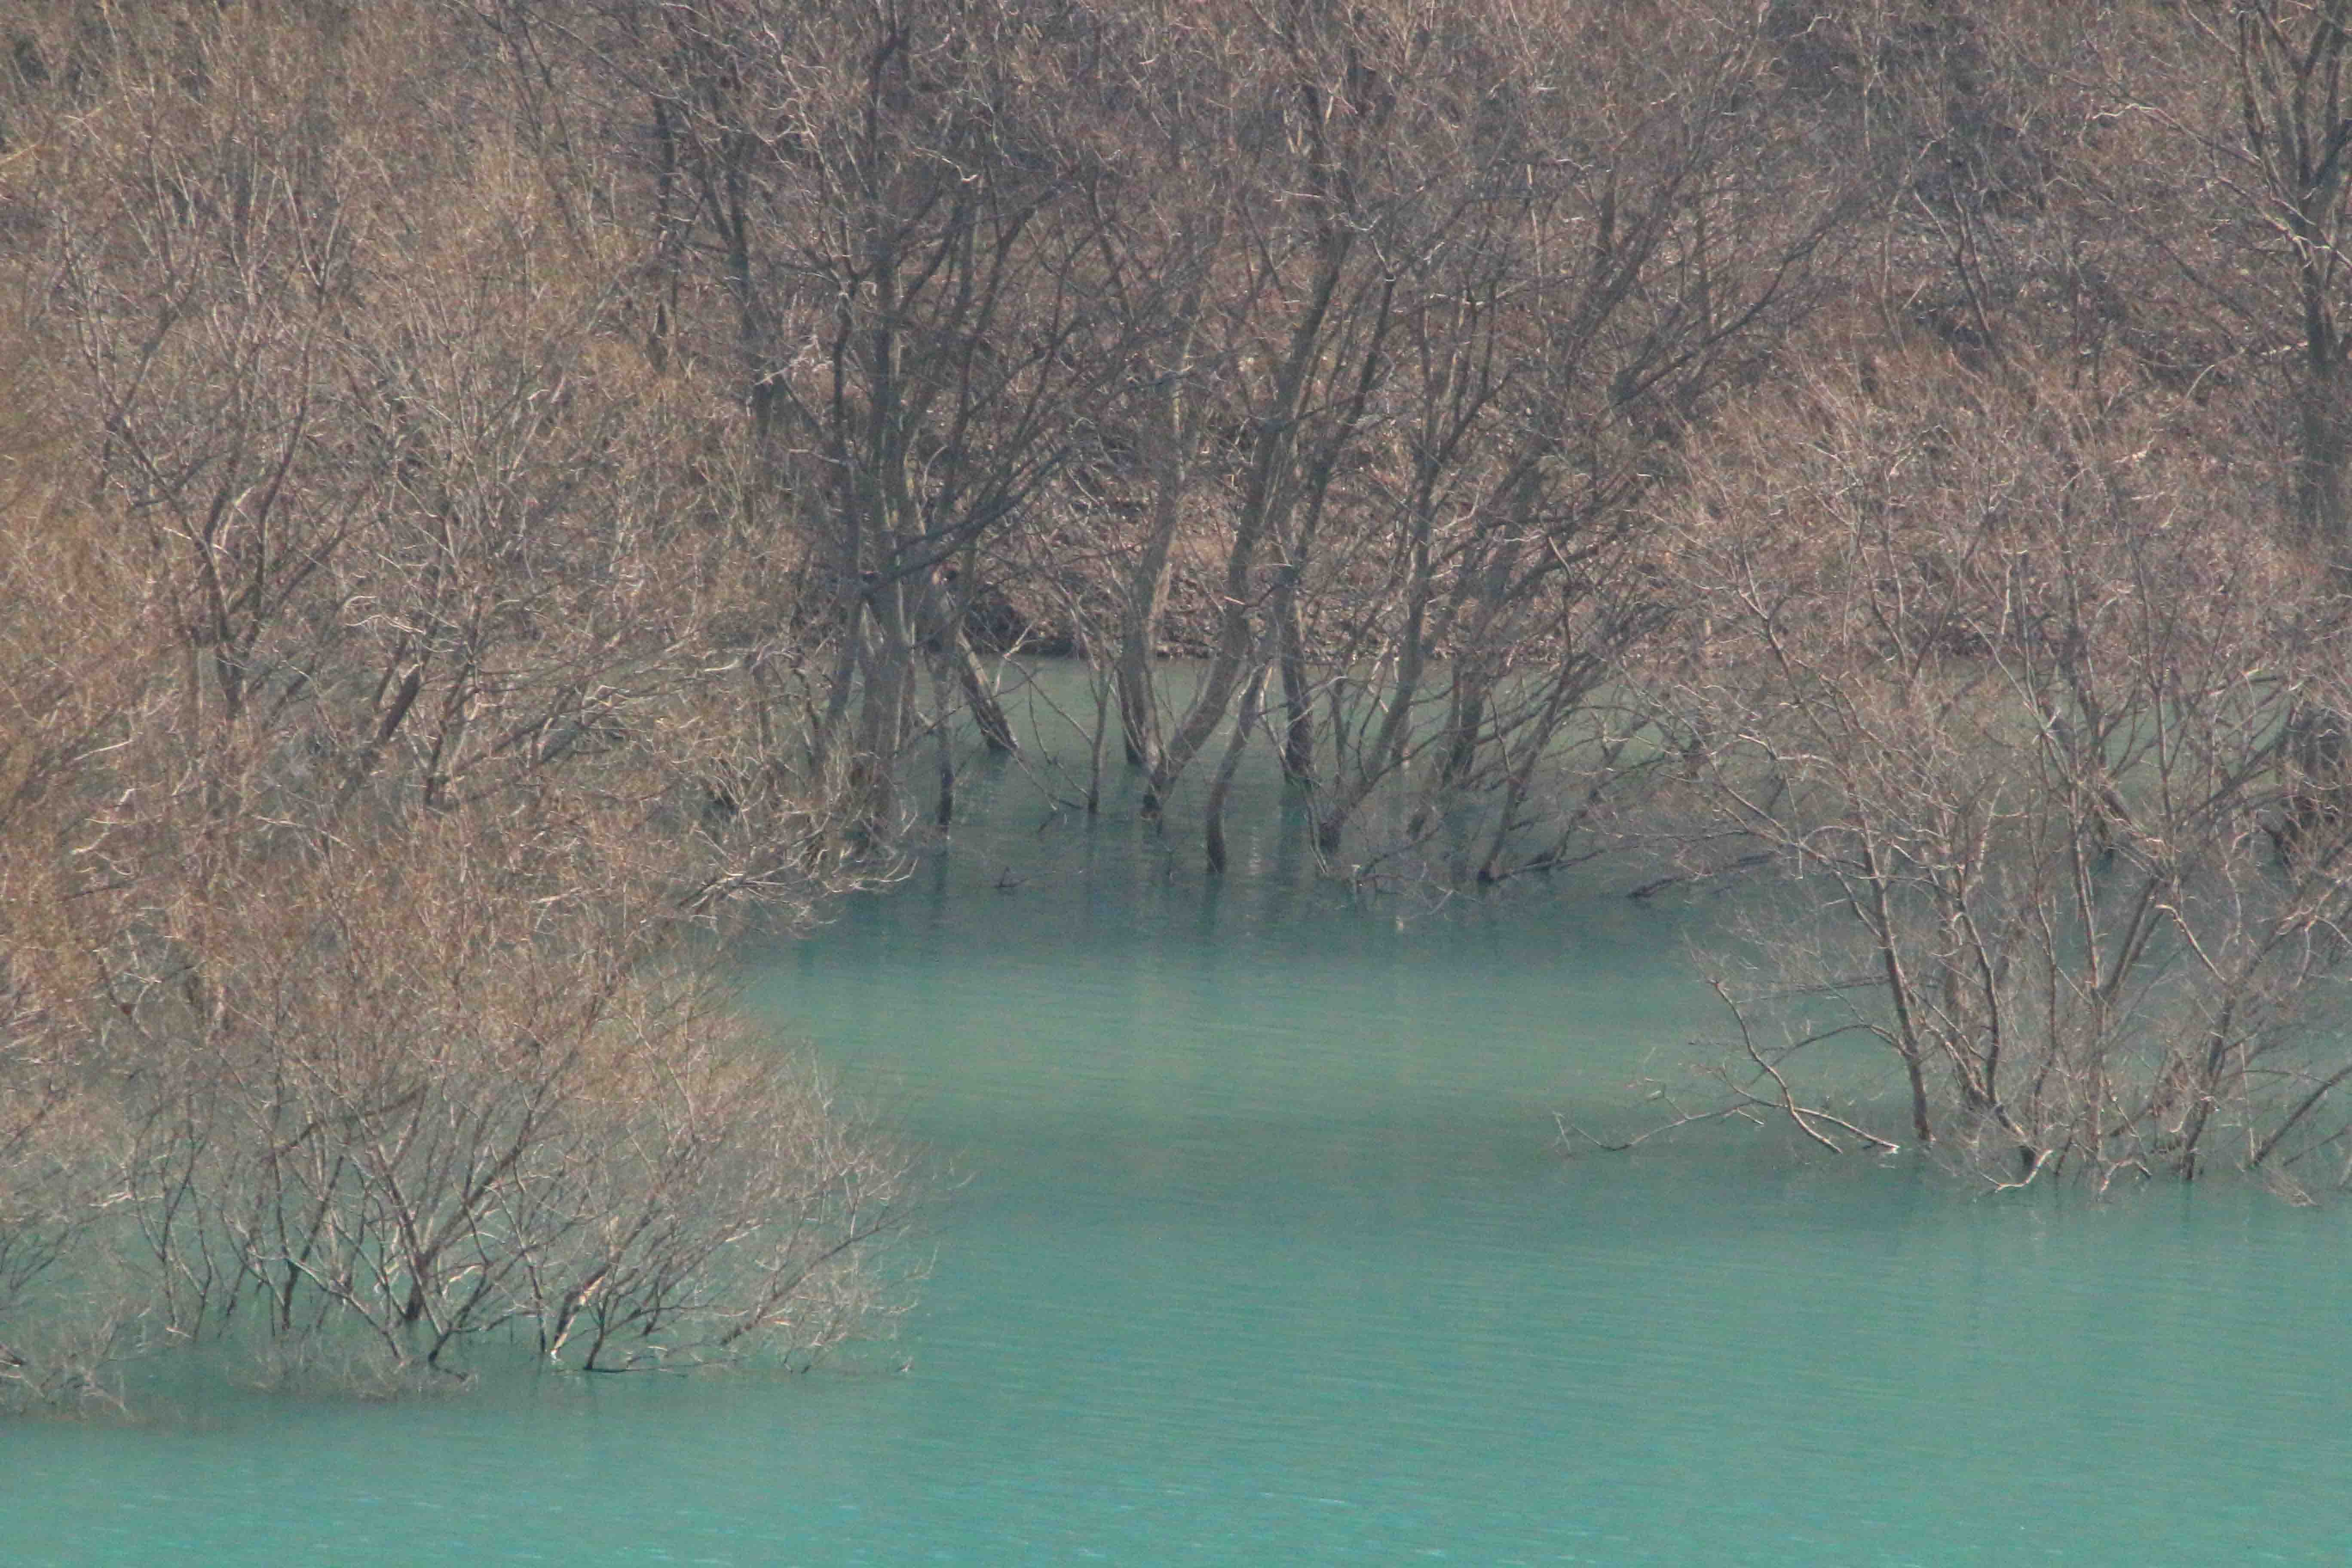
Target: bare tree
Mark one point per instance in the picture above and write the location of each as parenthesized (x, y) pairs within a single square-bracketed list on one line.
[(2013, 722), (2240, 196), (887, 195), (396, 721)]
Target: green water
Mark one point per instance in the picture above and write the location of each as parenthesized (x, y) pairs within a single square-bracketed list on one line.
[(1259, 1250)]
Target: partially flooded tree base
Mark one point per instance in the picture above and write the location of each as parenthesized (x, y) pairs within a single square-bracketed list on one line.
[(2019, 740), (396, 720)]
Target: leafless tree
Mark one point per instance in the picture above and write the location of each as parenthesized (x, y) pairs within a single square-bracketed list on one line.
[(2004, 685), (397, 727)]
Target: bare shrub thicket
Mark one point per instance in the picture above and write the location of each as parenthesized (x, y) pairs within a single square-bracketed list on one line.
[(2220, 190), (385, 1105), (1368, 325), (392, 718), (74, 670), (1420, 301), (2005, 679), (2015, 638), (497, 491)]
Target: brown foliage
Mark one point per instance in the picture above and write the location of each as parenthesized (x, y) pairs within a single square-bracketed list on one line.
[(391, 716), (2009, 683), (496, 491)]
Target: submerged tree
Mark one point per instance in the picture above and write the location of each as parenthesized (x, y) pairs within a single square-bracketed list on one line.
[(392, 734), (889, 201), (2002, 678), (1415, 304)]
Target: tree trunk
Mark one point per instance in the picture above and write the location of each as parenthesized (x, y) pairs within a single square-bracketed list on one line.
[(1297, 692), (1147, 586), (1253, 694), (1267, 494)]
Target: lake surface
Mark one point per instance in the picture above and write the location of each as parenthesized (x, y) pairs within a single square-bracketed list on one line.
[(1259, 1248)]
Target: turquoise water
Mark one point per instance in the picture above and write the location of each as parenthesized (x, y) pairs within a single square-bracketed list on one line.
[(1254, 1245)]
